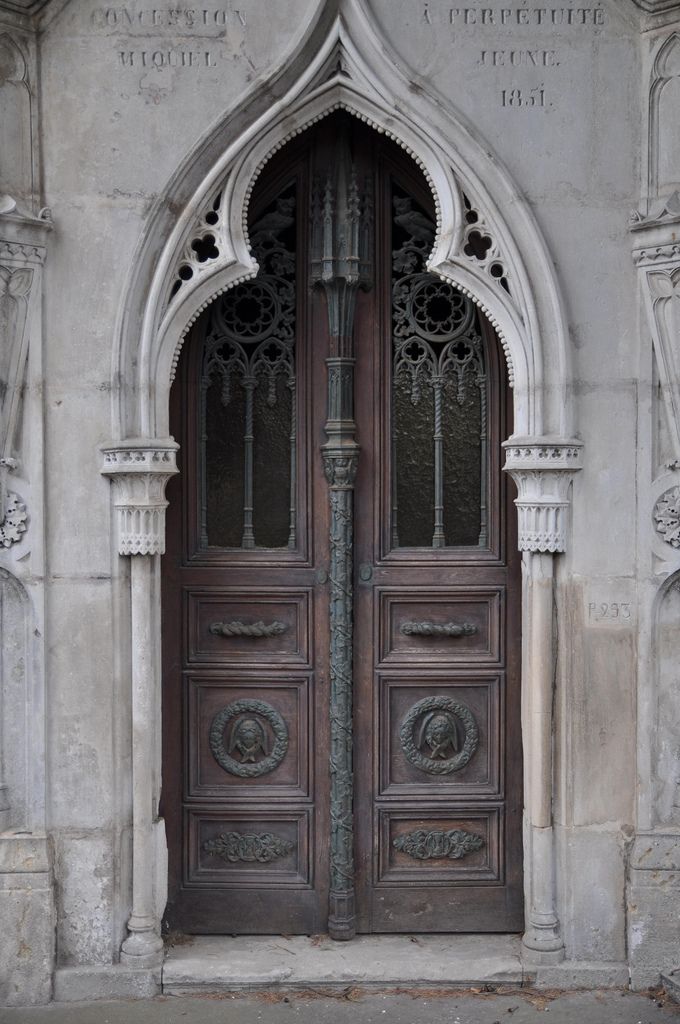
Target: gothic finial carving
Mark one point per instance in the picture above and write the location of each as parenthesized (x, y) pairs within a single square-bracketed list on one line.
[(664, 211), (543, 470), (342, 241)]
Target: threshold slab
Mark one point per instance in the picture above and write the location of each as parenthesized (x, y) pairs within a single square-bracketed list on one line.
[(216, 963)]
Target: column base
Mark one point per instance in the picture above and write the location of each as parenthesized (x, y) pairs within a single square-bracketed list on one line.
[(342, 923), (543, 945), (142, 949)]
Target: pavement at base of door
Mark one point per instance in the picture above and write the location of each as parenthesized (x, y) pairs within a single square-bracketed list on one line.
[(354, 1006)]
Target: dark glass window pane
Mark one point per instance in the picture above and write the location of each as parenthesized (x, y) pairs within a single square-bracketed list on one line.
[(224, 419), (439, 429), (272, 464), (248, 411), (414, 452), (461, 422)]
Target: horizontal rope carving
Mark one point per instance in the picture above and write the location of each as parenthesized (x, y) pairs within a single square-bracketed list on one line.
[(438, 629), (253, 629)]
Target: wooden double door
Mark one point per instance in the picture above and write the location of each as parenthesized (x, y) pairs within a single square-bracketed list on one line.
[(341, 592)]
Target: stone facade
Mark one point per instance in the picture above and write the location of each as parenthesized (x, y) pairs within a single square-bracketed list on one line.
[(117, 127)]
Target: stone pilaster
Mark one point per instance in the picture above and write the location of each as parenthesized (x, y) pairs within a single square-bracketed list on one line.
[(139, 470), (542, 469)]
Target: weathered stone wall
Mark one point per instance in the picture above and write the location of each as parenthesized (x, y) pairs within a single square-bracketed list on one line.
[(578, 106)]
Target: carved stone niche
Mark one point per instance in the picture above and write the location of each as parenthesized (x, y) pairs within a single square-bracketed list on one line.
[(656, 253), (543, 469), (139, 470), (22, 254)]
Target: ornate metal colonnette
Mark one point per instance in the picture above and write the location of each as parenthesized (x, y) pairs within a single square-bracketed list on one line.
[(341, 252)]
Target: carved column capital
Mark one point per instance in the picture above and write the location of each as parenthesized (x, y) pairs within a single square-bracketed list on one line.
[(340, 466), (139, 470), (543, 469)]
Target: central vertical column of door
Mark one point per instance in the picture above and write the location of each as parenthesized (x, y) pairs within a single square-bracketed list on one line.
[(340, 264)]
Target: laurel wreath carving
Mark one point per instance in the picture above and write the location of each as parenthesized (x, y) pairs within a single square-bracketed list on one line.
[(253, 707), (429, 764)]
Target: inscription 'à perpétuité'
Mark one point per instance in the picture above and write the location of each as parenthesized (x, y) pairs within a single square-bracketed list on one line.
[(516, 17)]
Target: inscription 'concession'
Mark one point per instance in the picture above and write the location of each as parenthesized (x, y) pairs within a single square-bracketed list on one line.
[(177, 19)]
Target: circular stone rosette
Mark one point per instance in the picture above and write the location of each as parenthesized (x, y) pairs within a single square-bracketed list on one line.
[(431, 765), (252, 707)]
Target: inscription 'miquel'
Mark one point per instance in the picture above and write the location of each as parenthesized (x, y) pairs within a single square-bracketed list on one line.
[(167, 59)]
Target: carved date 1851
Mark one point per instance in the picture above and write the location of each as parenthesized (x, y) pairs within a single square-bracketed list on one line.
[(524, 97)]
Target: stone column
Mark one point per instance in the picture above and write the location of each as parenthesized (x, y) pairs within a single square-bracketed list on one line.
[(543, 469), (139, 470)]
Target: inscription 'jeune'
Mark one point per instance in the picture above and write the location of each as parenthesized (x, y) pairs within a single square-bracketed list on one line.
[(519, 59)]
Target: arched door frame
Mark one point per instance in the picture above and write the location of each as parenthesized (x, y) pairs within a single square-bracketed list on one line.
[(341, 62)]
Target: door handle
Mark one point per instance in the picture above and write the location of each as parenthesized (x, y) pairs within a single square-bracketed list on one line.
[(254, 629), (453, 629)]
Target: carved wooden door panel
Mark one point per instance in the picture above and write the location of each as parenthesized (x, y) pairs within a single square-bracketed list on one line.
[(437, 643), (337, 448), (245, 610)]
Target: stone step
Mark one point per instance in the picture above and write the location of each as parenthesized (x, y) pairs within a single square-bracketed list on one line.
[(221, 964)]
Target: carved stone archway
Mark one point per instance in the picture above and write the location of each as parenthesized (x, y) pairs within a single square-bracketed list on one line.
[(340, 62)]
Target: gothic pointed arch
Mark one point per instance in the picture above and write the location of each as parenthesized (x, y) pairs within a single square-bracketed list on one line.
[(487, 244)]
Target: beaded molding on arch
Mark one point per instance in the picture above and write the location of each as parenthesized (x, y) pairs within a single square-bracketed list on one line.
[(490, 317), (342, 105), (197, 312)]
